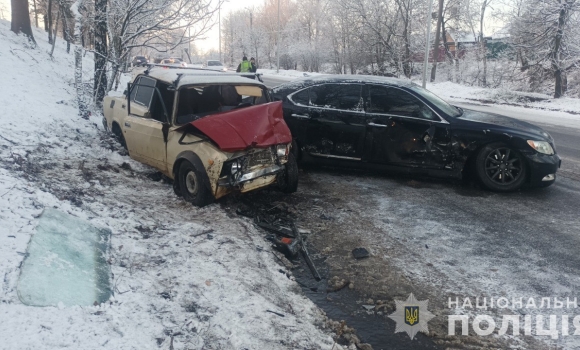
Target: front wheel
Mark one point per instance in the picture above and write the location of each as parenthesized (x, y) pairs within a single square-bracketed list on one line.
[(288, 179), (500, 168), (192, 185)]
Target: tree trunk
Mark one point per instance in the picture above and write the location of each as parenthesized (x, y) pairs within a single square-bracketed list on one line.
[(49, 17), (101, 52), (437, 38), (35, 13), (79, 59), (65, 32), (555, 52), (21, 19), (55, 29)]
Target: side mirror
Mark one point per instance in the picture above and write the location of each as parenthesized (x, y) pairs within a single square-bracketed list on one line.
[(126, 92)]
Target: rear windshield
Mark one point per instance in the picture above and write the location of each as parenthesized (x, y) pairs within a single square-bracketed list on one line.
[(214, 63)]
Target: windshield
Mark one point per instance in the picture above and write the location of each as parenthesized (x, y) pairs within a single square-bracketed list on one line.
[(195, 102), (437, 101), (214, 63)]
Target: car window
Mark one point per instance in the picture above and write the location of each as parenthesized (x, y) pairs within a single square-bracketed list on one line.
[(394, 101), (156, 109), (214, 63), (437, 101), (143, 93), (301, 97), (337, 96)]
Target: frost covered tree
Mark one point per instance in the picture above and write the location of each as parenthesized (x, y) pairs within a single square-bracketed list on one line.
[(546, 36), (158, 25), (101, 51)]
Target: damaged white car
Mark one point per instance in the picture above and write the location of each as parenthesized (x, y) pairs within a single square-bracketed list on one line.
[(212, 133)]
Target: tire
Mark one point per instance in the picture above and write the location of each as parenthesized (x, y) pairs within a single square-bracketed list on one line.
[(288, 179), (119, 136), (193, 186), (500, 168), (295, 149)]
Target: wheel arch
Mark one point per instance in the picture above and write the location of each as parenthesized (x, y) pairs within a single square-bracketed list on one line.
[(469, 164)]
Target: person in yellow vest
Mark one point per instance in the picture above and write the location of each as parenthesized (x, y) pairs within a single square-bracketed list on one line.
[(245, 66)]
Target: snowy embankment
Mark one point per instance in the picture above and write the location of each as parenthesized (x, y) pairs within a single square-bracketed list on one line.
[(182, 277)]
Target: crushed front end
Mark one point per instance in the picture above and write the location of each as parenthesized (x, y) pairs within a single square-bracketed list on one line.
[(252, 169)]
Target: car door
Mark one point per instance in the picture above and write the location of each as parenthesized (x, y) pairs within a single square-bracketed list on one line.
[(400, 128), (296, 114), (336, 128), (144, 134)]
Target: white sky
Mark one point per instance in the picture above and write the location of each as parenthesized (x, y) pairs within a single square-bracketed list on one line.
[(213, 36)]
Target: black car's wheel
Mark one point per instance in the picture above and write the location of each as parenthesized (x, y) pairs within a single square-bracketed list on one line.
[(193, 187), (500, 168), (288, 179)]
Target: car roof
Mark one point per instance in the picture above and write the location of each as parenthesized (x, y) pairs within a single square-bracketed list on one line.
[(345, 78), (198, 76)]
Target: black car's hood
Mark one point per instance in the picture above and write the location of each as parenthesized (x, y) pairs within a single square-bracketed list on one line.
[(507, 123)]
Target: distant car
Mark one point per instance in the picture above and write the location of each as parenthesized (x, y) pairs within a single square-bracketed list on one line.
[(175, 62), (375, 122), (139, 61), (211, 134), (215, 65)]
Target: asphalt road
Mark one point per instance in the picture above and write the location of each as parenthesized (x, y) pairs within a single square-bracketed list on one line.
[(443, 239)]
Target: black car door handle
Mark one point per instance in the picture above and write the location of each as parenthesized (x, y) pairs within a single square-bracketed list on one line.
[(301, 116), (377, 125)]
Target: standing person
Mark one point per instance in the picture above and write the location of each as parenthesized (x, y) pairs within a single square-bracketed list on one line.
[(254, 66), (245, 66)]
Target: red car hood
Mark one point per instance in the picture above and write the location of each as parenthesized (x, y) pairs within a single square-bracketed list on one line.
[(240, 129)]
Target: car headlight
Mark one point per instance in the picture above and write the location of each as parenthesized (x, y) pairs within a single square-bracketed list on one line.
[(541, 146), (282, 150), (236, 170)]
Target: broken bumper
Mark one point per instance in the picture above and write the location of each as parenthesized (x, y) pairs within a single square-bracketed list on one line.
[(271, 170)]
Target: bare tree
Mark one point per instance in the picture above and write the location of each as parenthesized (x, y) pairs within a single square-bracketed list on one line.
[(160, 25)]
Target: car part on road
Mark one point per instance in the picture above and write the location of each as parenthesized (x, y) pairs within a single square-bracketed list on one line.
[(287, 238), (360, 253)]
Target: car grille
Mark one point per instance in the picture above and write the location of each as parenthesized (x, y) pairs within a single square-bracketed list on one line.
[(261, 157)]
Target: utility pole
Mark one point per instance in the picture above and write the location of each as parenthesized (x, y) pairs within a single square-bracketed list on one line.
[(278, 41), (428, 35)]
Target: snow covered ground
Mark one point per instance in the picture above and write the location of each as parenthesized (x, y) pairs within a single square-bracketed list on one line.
[(183, 277)]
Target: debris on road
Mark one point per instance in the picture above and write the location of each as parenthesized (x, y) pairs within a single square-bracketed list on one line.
[(286, 237), (360, 253)]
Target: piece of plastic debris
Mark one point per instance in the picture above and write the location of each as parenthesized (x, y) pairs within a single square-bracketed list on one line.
[(360, 253)]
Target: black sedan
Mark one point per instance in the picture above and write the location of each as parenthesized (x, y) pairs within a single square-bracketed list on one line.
[(393, 124)]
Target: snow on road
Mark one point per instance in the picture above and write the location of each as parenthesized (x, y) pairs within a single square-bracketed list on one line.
[(193, 278)]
